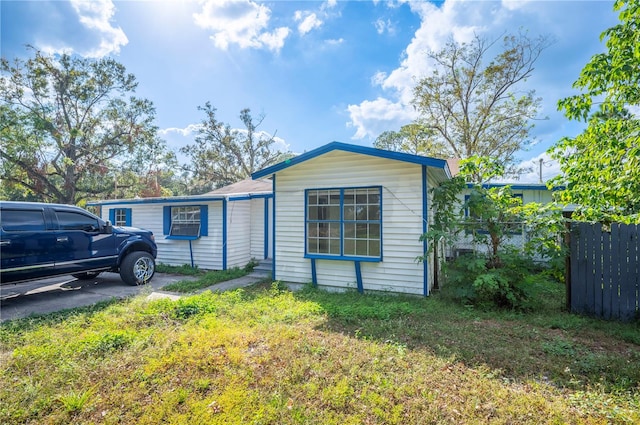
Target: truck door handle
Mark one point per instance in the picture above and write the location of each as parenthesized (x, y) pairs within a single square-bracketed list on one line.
[(5, 243), (62, 239)]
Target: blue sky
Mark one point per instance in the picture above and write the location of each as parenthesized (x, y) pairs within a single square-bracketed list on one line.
[(318, 71)]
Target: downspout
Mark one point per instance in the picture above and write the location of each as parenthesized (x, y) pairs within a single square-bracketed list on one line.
[(425, 217), (224, 234)]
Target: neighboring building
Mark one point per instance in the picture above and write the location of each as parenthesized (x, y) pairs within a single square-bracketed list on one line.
[(352, 216), (218, 230), (529, 193)]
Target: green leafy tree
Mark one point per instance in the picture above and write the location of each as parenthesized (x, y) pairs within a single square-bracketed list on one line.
[(68, 121), (222, 155), (469, 107), (601, 166), (412, 138)]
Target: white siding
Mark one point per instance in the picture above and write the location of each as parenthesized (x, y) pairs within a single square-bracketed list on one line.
[(207, 251), (238, 233), (401, 221), (257, 228)]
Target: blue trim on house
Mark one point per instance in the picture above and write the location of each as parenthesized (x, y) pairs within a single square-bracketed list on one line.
[(343, 258), (182, 238), (175, 200), (425, 227), (204, 220), (266, 227), (314, 274), (191, 254), (166, 220), (191, 200), (514, 186), (224, 234), (112, 215), (273, 217), (127, 216), (247, 197), (363, 150), (359, 277)]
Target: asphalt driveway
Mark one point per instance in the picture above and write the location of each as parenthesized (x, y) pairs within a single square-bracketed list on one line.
[(64, 292)]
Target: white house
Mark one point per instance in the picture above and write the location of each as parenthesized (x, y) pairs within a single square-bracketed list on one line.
[(351, 216), (218, 230)]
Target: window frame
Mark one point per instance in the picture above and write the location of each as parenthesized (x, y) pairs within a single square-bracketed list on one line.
[(341, 221), (168, 222), (113, 216)]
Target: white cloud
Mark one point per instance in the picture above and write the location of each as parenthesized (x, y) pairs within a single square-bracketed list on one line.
[(382, 26), (457, 20), (329, 4), (308, 21), (241, 22), (96, 15), (550, 168), (372, 117), (334, 41), (184, 132)]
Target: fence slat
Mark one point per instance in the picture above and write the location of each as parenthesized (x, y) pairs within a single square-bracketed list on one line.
[(616, 271), (577, 297), (627, 282), (607, 287), (597, 284)]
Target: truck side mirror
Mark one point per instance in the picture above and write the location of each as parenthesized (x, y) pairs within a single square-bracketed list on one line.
[(107, 228)]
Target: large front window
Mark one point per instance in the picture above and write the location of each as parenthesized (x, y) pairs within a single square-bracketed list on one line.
[(344, 222)]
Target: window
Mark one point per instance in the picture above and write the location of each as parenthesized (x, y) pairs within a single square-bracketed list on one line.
[(120, 216), (185, 222), (344, 222), (68, 220), (22, 220)]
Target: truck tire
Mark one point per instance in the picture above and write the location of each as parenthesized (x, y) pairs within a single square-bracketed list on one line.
[(86, 275), (137, 268)]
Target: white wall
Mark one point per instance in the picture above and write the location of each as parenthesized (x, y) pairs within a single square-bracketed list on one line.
[(401, 227), (257, 228), (238, 233), (207, 251)]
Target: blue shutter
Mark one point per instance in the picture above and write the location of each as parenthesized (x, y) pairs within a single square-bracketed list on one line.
[(204, 220), (127, 216), (166, 220), (112, 216)]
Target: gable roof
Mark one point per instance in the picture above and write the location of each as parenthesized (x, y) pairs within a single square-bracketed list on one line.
[(363, 150)]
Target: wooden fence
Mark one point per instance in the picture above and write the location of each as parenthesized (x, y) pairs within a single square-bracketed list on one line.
[(604, 270)]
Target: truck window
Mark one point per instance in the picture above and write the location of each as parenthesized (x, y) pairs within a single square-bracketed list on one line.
[(22, 220), (68, 220)]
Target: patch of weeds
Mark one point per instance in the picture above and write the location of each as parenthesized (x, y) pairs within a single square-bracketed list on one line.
[(75, 401), (559, 347), (208, 279), (108, 342), (185, 269)]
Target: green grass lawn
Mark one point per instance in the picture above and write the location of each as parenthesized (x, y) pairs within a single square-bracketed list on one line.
[(268, 356)]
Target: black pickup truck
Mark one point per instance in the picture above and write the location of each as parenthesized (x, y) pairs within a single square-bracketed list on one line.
[(42, 240)]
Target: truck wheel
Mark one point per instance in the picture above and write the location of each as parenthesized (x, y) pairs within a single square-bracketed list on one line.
[(137, 268), (86, 275)]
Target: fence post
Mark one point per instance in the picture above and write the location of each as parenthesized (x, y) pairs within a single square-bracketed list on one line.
[(567, 259)]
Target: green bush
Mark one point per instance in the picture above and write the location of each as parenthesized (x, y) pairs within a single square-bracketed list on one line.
[(471, 280)]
